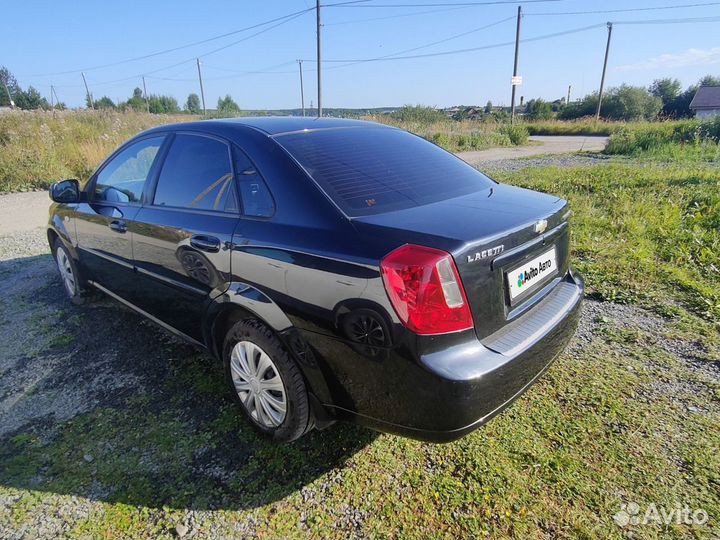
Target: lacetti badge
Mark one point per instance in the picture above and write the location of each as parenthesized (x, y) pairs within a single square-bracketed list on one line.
[(485, 253)]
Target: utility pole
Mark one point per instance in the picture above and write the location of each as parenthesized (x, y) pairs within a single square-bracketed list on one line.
[(12, 103), (568, 98), (202, 91), (87, 91), (302, 89), (52, 100), (602, 79), (57, 99), (515, 64), (319, 58), (147, 103)]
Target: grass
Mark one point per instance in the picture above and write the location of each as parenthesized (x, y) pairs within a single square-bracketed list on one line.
[(684, 140), (459, 136), (38, 148), (600, 429), (573, 127)]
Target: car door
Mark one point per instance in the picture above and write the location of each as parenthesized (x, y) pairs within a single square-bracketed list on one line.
[(182, 238), (104, 223)]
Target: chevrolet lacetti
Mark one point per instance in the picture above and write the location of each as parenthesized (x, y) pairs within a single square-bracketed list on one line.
[(340, 270)]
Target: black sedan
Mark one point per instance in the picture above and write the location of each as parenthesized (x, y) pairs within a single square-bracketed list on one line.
[(340, 270)]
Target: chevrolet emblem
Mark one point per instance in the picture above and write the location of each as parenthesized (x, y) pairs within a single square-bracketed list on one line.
[(540, 226)]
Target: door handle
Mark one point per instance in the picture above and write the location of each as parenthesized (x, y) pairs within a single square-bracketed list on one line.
[(118, 225), (205, 243)]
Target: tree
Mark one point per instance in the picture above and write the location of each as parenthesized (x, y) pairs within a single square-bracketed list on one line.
[(630, 103), (668, 91), (227, 106), (30, 99), (163, 104), (539, 109), (488, 107), (710, 80), (104, 103), (622, 103), (192, 105), (137, 101)]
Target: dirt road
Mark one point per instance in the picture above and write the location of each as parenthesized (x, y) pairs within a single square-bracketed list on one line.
[(544, 145)]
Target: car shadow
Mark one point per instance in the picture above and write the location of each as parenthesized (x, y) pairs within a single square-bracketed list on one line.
[(99, 403)]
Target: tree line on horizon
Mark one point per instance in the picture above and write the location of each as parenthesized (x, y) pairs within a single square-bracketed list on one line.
[(663, 99)]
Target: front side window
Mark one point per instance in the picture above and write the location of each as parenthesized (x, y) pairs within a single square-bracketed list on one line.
[(196, 174), (256, 198), (123, 178)]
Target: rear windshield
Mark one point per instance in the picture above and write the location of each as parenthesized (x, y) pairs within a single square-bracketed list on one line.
[(374, 170)]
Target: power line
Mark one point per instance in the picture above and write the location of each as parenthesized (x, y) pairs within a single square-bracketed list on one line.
[(194, 59), (625, 10), (431, 44), (289, 16), (398, 16), (673, 21), (444, 4), (470, 49)]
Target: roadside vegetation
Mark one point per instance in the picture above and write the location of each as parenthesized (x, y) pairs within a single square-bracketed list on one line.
[(684, 140), (38, 148)]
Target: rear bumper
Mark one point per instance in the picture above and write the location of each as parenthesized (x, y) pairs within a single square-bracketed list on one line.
[(473, 381)]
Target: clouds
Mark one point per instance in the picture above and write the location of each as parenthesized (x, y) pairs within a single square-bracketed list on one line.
[(690, 57)]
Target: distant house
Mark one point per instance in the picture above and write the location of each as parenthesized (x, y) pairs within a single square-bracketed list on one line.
[(706, 102)]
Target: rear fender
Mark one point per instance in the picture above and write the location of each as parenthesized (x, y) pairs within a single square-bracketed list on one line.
[(241, 299)]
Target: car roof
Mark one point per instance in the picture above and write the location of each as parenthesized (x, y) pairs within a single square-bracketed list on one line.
[(271, 125)]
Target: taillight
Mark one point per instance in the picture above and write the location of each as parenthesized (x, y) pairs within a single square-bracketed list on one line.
[(425, 289)]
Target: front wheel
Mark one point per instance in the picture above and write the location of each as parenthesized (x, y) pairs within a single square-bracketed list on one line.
[(72, 280), (266, 382)]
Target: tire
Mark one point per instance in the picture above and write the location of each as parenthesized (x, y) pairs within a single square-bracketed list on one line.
[(265, 380), (76, 288)]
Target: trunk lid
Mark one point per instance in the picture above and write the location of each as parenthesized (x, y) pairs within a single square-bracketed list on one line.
[(488, 233)]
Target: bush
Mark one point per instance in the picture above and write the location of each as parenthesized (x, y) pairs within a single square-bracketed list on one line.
[(659, 137), (517, 133), (419, 113), (539, 109)]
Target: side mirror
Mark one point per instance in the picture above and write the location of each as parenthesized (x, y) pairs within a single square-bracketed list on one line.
[(65, 191)]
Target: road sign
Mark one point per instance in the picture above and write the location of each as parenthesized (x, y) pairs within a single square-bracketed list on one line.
[(517, 80)]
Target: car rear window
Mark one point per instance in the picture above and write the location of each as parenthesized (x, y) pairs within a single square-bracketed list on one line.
[(375, 170)]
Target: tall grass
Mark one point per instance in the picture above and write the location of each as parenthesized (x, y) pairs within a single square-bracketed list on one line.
[(459, 136), (38, 148), (676, 141), (574, 127)]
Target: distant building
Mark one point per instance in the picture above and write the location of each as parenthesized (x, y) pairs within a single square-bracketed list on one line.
[(706, 102)]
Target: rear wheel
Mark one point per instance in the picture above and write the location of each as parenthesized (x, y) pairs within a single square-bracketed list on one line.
[(266, 382), (75, 286)]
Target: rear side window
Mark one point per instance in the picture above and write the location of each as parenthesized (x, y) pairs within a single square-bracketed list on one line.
[(374, 170), (123, 178), (256, 198), (196, 174)]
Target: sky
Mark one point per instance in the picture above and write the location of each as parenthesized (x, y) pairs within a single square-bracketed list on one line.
[(47, 43)]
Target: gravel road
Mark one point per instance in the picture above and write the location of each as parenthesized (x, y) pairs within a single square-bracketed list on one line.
[(544, 145)]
